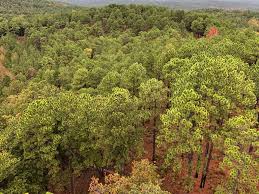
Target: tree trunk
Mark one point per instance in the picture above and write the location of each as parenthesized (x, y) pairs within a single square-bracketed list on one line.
[(72, 180), (190, 160), (251, 148), (198, 165), (73, 184), (154, 145), (257, 104), (209, 149), (154, 135), (101, 172), (189, 178), (168, 94)]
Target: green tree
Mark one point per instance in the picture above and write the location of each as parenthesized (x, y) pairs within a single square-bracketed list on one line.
[(133, 77), (16, 104), (80, 79), (199, 26), (111, 80), (18, 25), (167, 54), (120, 131), (3, 26), (143, 179), (254, 69), (95, 76), (46, 141), (153, 96), (238, 161), (201, 99), (8, 164)]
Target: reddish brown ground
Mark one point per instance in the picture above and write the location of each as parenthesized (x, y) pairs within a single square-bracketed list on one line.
[(214, 178), (173, 185)]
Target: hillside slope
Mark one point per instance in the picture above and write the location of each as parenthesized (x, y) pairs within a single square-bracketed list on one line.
[(27, 6)]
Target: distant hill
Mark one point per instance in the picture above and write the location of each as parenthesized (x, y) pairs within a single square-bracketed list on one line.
[(188, 4), (27, 6)]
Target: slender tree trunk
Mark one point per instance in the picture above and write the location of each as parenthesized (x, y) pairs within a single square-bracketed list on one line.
[(73, 183), (198, 165), (72, 180), (190, 161), (257, 103), (154, 136), (101, 172), (154, 145), (168, 94), (209, 150), (190, 178), (251, 148)]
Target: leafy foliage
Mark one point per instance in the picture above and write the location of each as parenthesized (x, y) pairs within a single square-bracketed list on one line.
[(82, 87), (143, 179)]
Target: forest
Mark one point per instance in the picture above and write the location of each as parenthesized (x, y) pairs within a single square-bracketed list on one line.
[(128, 99), (176, 4)]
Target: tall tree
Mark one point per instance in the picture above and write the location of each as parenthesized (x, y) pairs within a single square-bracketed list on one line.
[(239, 163), (209, 93), (119, 130), (133, 77), (153, 96)]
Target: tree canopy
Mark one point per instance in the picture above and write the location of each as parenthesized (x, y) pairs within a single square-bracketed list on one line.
[(88, 90)]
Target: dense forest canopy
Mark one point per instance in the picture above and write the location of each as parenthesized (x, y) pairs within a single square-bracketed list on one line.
[(9, 7), (128, 99), (186, 4)]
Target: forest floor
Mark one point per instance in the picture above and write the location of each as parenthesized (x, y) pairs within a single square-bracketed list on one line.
[(173, 185)]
